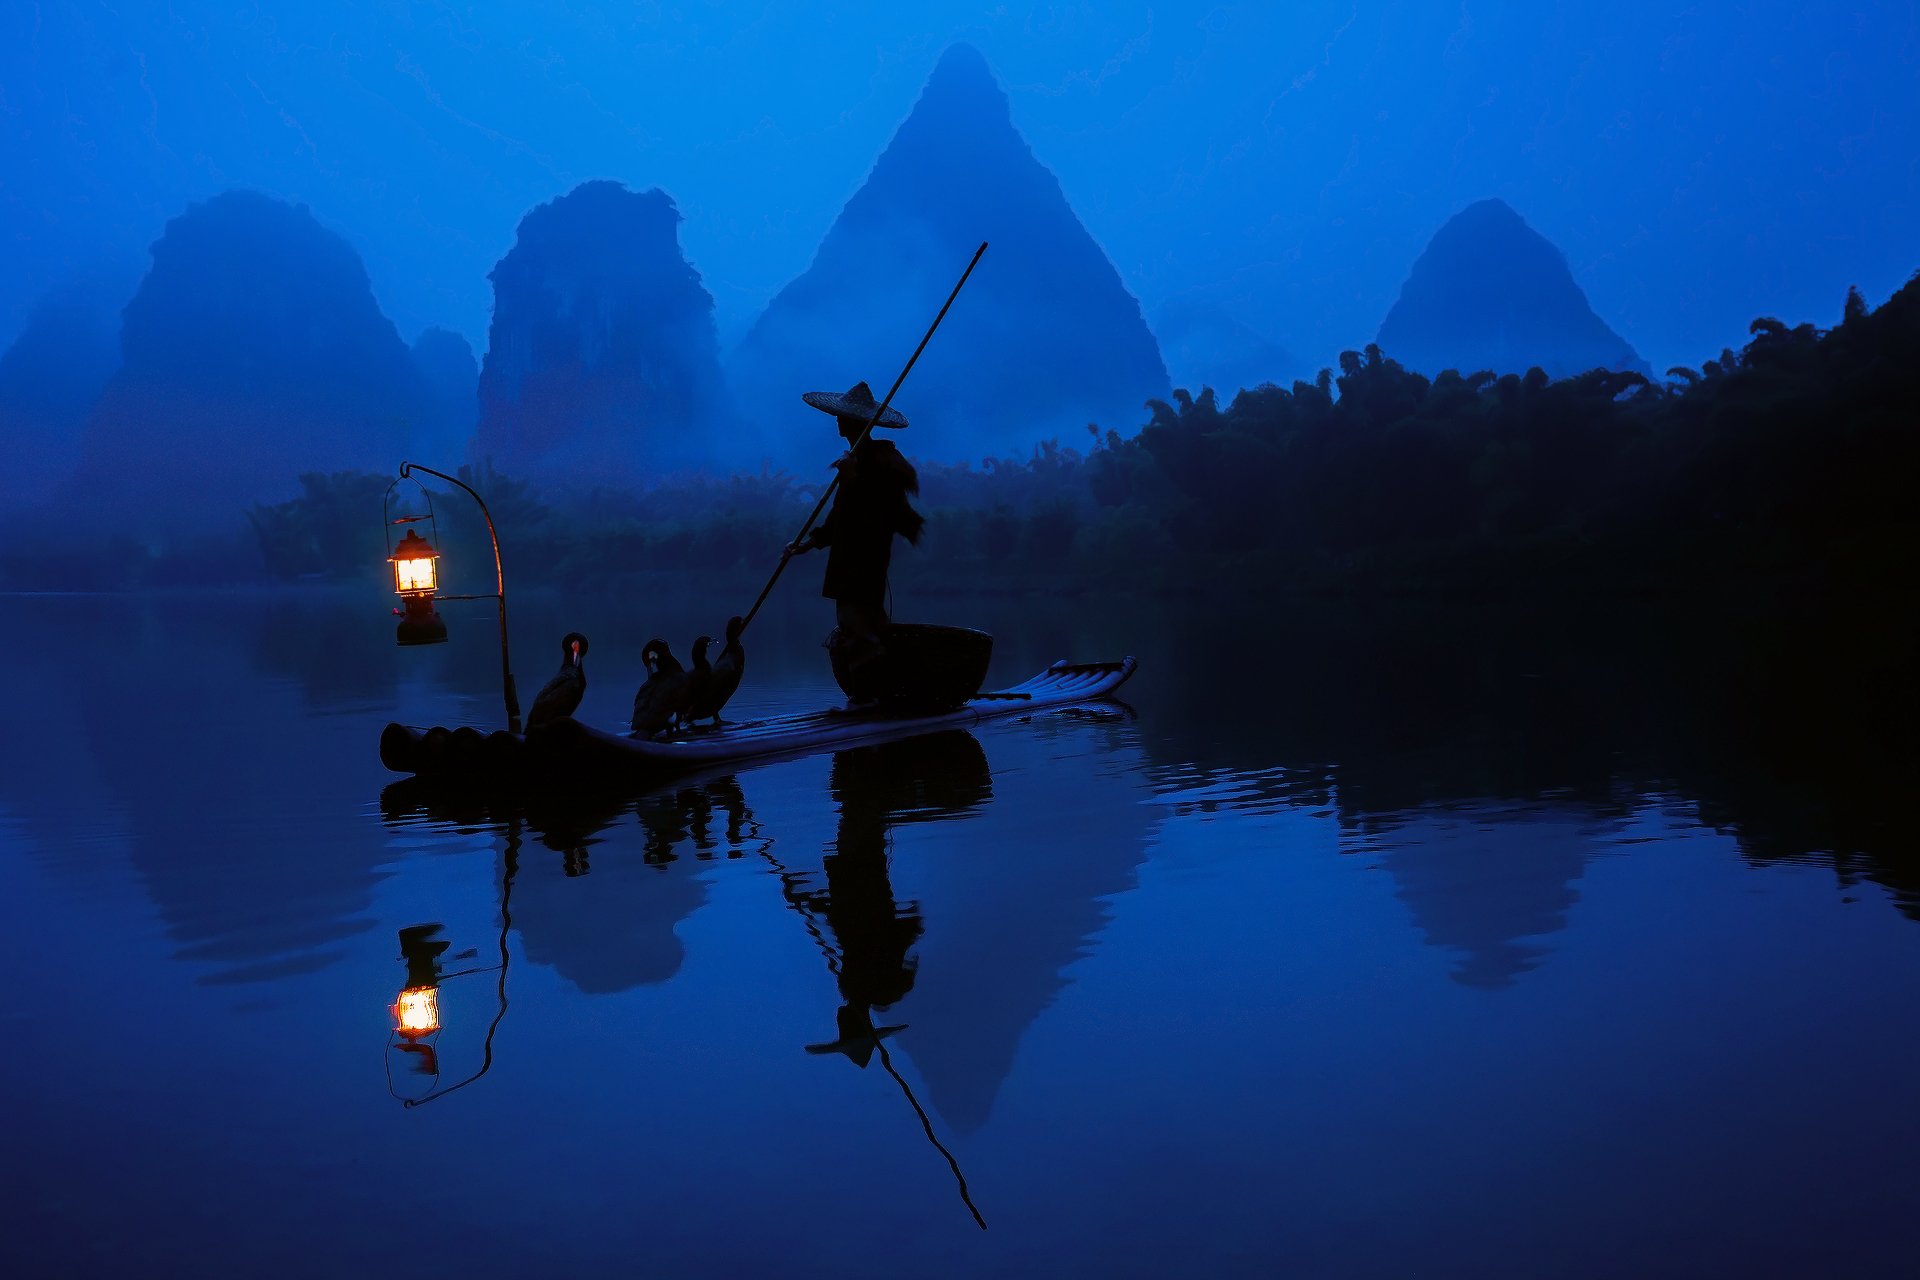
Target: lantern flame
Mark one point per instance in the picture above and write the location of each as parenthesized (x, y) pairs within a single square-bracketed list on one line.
[(414, 575), (417, 1011), (414, 571)]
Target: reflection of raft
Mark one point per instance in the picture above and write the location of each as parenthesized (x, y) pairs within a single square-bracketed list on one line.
[(571, 751)]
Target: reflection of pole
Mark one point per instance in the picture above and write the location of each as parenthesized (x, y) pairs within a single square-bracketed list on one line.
[(500, 590), (512, 859), (790, 883), (887, 1061)]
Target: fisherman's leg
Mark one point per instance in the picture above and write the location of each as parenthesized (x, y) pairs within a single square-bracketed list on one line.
[(860, 621), (858, 635)]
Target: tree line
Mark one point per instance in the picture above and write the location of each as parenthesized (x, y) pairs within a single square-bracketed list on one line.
[(1792, 457)]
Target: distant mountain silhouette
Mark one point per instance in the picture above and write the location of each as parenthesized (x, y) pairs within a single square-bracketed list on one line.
[(602, 363), (1206, 347), (1490, 292), (50, 379), (451, 377), (253, 351), (1045, 339)]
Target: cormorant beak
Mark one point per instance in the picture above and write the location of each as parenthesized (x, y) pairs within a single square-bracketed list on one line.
[(576, 652)]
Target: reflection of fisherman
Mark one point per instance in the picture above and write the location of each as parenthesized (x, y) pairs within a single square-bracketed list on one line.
[(940, 776), (869, 508), (874, 932)]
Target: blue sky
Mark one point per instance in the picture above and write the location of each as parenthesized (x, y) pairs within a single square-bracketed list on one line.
[(1698, 165)]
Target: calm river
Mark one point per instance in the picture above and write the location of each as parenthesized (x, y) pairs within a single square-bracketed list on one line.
[(1355, 943)]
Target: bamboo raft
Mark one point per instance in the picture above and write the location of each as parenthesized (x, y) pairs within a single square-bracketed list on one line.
[(569, 751)]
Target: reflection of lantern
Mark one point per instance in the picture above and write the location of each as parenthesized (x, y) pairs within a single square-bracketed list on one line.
[(415, 577), (413, 566), (412, 1044), (417, 1011)]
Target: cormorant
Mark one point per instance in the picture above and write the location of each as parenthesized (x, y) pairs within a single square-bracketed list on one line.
[(664, 695), (560, 697), (699, 682), (727, 670)]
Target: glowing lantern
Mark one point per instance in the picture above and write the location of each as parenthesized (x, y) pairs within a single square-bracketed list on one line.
[(417, 1011), (414, 571), (415, 577)]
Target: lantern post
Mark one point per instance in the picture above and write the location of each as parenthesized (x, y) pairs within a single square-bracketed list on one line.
[(416, 580)]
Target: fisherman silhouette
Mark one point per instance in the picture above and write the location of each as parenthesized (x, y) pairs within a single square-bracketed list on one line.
[(869, 508)]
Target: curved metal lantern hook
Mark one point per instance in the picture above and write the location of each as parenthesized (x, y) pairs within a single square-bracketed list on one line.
[(510, 693), (389, 520)]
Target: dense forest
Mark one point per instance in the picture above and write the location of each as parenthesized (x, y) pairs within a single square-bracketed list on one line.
[(1796, 454), (1793, 459)]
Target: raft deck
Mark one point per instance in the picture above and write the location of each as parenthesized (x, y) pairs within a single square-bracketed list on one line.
[(573, 751)]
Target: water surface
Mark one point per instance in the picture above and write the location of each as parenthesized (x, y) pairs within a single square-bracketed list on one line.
[(1356, 942)]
